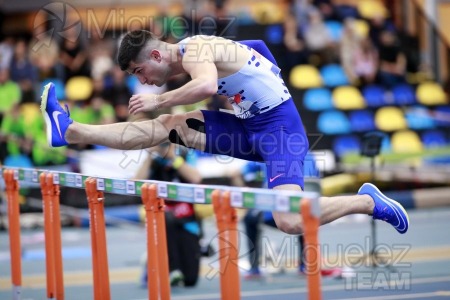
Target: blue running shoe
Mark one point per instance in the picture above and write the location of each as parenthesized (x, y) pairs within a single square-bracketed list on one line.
[(386, 209), (57, 119)]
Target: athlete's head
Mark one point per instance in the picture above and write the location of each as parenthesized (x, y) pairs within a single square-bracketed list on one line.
[(142, 54)]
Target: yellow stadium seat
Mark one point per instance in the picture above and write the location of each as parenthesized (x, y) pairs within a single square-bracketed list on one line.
[(390, 118), (267, 12), (348, 97), (431, 93), (305, 77), (30, 111), (361, 28), (370, 9), (406, 141), (79, 88)]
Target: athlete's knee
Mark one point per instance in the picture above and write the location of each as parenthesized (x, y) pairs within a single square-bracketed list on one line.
[(290, 224)]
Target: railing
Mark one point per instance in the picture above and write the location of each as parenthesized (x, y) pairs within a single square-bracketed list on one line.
[(432, 42), (224, 199)]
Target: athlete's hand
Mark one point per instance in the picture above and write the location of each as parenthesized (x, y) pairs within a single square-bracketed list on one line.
[(143, 102)]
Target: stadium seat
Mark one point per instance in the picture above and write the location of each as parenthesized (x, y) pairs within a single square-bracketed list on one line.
[(404, 94), (346, 144), (347, 11), (79, 88), (348, 97), (333, 122), (406, 141), (419, 118), (59, 87), (305, 77), (370, 9), (333, 75), (274, 34), (266, 12), (318, 99), (433, 139), (361, 28), (375, 95), (390, 118), (132, 82), (335, 29), (30, 112), (362, 120), (441, 115), (431, 93)]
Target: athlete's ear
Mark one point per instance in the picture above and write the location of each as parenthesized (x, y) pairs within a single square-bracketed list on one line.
[(156, 55)]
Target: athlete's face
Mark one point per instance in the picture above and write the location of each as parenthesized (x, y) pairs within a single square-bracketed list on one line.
[(152, 70)]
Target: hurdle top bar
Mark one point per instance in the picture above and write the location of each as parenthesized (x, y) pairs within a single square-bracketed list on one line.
[(257, 198)]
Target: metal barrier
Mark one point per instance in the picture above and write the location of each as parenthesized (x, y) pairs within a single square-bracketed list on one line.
[(224, 199)]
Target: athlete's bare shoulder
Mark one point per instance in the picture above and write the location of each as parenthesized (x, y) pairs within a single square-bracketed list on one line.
[(226, 54)]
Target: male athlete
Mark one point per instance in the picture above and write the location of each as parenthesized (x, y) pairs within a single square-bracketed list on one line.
[(265, 125)]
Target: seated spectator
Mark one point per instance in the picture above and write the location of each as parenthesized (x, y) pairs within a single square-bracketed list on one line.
[(296, 51), (118, 94), (365, 62), (9, 93), (73, 55), (182, 226), (23, 72), (318, 39), (392, 61)]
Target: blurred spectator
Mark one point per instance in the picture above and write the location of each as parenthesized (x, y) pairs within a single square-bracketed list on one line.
[(167, 163), (301, 10), (296, 51), (328, 10), (9, 93), (318, 39), (377, 26), (73, 55), (6, 52), (44, 55), (392, 61), (100, 52), (23, 72), (118, 94), (17, 133), (358, 56)]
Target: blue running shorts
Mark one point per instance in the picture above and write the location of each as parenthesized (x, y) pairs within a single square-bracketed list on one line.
[(276, 137)]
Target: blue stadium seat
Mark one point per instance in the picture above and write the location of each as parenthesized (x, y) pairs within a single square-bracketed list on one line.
[(362, 120), (433, 139), (419, 118), (333, 75), (442, 115), (347, 11), (59, 87), (335, 29), (346, 144), (131, 82), (333, 122), (375, 95), (274, 34), (404, 94), (318, 99)]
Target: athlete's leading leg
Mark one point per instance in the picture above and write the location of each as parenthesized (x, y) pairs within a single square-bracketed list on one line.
[(61, 130)]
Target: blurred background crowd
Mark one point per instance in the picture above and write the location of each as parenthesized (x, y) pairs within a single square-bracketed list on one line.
[(351, 56)]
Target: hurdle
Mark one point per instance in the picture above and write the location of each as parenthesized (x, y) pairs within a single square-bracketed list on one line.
[(224, 199)]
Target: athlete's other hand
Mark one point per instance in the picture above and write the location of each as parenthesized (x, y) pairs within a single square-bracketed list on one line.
[(142, 103)]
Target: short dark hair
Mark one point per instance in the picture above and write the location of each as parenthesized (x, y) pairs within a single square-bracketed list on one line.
[(131, 46)]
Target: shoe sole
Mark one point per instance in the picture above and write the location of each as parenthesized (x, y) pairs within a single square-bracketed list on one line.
[(48, 122), (393, 202)]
